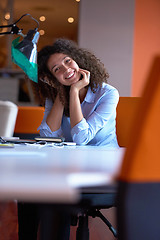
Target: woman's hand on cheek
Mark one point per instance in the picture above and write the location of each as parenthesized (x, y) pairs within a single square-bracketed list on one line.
[(84, 81)]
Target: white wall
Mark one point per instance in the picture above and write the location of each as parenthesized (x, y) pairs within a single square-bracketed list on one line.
[(106, 28), (9, 88)]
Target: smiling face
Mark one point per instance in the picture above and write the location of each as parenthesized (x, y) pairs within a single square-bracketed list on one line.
[(64, 68)]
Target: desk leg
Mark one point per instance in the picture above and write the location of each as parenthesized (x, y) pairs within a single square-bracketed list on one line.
[(55, 223), (28, 221)]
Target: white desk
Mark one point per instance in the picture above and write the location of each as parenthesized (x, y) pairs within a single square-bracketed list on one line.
[(29, 173)]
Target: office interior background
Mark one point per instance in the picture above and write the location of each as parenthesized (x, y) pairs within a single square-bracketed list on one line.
[(124, 34)]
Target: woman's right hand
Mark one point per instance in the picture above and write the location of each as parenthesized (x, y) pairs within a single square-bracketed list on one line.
[(82, 82)]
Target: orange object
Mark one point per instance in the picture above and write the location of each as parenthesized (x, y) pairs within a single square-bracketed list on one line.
[(142, 159), (126, 111), (29, 119)]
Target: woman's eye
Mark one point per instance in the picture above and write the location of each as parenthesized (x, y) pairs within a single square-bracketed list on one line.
[(68, 60), (56, 69)]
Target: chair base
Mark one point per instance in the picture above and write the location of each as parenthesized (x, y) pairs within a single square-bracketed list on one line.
[(90, 206), (83, 230)]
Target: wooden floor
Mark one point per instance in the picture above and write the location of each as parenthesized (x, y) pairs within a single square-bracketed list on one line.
[(8, 221)]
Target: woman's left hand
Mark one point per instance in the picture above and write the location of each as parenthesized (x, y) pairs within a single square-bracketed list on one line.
[(84, 81)]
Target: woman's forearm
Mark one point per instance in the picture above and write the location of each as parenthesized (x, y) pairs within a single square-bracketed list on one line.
[(54, 118), (77, 95), (75, 107)]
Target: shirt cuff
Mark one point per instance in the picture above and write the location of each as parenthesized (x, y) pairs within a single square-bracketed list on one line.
[(82, 125), (45, 128)]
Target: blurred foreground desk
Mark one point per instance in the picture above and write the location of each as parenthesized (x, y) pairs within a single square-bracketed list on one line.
[(55, 174)]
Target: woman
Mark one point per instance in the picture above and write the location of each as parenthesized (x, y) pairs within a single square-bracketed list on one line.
[(81, 107), (79, 104)]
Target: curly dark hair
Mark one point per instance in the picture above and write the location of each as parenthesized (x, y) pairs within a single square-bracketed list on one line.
[(48, 86)]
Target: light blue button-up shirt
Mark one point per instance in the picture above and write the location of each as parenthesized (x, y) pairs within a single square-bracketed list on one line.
[(98, 126)]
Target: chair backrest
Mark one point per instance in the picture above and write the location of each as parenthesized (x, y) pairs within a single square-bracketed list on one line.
[(8, 115), (29, 119), (143, 157), (126, 111), (138, 197)]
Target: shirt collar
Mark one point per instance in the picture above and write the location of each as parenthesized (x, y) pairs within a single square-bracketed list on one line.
[(90, 96)]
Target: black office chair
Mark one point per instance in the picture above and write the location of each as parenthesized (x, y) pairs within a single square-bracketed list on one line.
[(92, 201), (95, 199)]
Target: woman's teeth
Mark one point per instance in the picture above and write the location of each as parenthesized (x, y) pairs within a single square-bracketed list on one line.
[(70, 75)]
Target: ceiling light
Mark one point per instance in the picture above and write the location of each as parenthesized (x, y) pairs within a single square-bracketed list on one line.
[(77, 0), (42, 18), (7, 16), (70, 19), (41, 32)]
